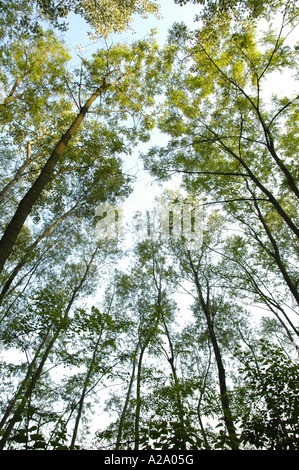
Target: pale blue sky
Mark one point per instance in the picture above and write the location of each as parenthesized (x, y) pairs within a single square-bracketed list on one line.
[(170, 13), (144, 191)]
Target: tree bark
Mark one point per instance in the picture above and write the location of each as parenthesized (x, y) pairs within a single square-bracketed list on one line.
[(228, 420), (14, 227), (126, 404), (83, 393), (138, 398), (30, 384), (22, 262)]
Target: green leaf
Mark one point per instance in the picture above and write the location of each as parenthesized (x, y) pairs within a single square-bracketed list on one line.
[(39, 445), (36, 437), (20, 438)]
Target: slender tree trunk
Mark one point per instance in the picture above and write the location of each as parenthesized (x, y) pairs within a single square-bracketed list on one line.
[(269, 143), (222, 377), (138, 397), (79, 413), (276, 255), (222, 383), (283, 168), (182, 437), (126, 404), (11, 97), (22, 386), (272, 199), (17, 177), (20, 171), (14, 227), (259, 184), (148, 338), (267, 300), (29, 275), (138, 394), (23, 261), (158, 284), (228, 420), (203, 432), (30, 384), (283, 323), (177, 388), (83, 393)]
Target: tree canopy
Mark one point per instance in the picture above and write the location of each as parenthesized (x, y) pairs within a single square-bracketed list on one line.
[(178, 328)]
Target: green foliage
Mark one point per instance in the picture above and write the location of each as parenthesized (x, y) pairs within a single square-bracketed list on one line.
[(271, 381), (168, 434), (159, 346), (102, 17), (164, 429), (240, 9)]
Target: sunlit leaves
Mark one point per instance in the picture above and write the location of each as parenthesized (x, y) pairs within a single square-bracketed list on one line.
[(103, 17), (32, 74), (156, 335)]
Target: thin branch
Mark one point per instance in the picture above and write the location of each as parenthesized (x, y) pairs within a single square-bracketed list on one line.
[(282, 109)]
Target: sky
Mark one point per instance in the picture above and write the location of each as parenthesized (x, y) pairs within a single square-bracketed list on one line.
[(145, 188), (169, 12)]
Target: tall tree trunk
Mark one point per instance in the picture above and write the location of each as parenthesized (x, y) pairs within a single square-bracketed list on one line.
[(30, 384), (276, 254), (138, 397), (19, 173), (289, 178), (127, 400), (83, 393), (159, 303), (228, 420), (202, 391), (147, 339), (22, 386), (250, 174), (23, 261), (14, 227), (179, 402), (222, 380)]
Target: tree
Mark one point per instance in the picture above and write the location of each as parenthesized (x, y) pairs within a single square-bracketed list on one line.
[(185, 340), (235, 9), (102, 17), (271, 381), (144, 319), (27, 74), (229, 143), (199, 267), (60, 311), (161, 276), (113, 77), (98, 334), (143, 294)]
